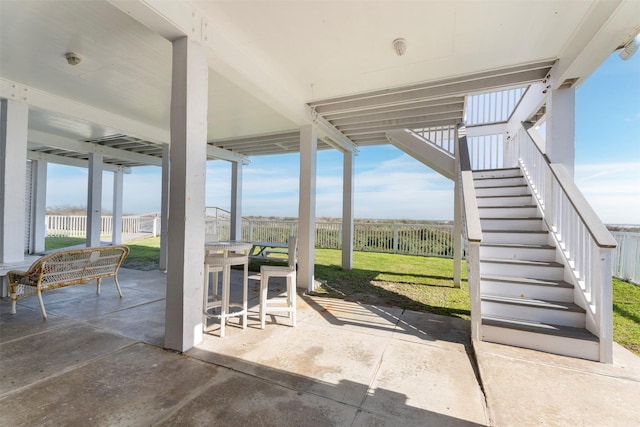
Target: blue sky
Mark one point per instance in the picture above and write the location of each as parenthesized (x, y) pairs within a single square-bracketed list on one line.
[(389, 184)]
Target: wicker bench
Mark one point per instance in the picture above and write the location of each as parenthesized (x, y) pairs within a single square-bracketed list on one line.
[(64, 268)]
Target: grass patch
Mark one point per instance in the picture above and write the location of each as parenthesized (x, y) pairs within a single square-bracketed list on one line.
[(626, 315), (144, 254), (410, 282), (53, 243)]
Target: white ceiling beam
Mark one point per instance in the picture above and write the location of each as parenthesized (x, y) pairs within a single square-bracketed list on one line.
[(607, 25), (481, 82), (252, 71), (48, 140), (47, 101), (222, 154), (71, 161), (485, 130)]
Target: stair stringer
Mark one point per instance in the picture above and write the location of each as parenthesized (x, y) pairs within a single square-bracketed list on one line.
[(424, 151)]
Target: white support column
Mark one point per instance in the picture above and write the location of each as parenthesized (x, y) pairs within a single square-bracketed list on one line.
[(94, 200), (185, 272), (164, 209), (14, 118), (116, 233), (38, 205), (347, 211), (560, 127), (236, 201), (307, 207), (457, 219)]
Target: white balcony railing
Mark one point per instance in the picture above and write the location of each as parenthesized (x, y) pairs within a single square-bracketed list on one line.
[(585, 242)]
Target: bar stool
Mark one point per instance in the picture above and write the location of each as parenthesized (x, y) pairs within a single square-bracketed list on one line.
[(280, 304), (215, 263)]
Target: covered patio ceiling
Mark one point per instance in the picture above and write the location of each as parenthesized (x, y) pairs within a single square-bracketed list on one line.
[(274, 66)]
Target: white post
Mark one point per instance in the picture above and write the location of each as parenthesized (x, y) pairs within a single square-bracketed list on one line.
[(185, 272), (116, 226), (307, 207), (38, 205), (560, 127), (13, 174), (164, 209), (347, 211), (457, 219), (94, 200), (235, 232)]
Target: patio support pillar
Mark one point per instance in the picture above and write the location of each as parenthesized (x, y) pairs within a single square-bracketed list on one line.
[(14, 118), (188, 156), (116, 232), (164, 209), (38, 205), (457, 236), (457, 218), (235, 231), (347, 210), (94, 200), (561, 127), (307, 207)]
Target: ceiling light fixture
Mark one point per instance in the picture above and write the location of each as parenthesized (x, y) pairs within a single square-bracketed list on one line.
[(73, 58), (400, 46), (630, 47)]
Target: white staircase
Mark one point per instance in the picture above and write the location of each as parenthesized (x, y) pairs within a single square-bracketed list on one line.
[(525, 301)]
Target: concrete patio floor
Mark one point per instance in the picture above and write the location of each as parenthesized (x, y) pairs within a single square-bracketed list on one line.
[(98, 360)]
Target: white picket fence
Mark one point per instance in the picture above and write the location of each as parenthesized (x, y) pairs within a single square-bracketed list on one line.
[(407, 239), (76, 225)]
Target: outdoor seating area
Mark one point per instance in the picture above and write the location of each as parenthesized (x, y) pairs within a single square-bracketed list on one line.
[(344, 364)]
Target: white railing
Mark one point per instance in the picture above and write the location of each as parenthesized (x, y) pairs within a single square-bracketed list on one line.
[(625, 261), (492, 107), (407, 239), (487, 152), (443, 137), (584, 241), (76, 225), (471, 231)]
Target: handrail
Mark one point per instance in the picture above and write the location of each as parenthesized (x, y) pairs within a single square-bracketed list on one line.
[(471, 214), (583, 241), (472, 231), (598, 231)]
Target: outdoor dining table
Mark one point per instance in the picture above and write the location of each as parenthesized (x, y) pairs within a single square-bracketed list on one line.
[(221, 255)]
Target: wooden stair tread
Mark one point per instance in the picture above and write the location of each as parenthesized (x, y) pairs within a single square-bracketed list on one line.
[(517, 245), (539, 327), (528, 281), (527, 262), (535, 303)]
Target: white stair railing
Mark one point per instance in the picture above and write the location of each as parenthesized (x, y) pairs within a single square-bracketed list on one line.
[(585, 243), (471, 232)]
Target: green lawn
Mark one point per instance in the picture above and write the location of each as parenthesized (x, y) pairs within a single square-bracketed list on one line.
[(411, 282)]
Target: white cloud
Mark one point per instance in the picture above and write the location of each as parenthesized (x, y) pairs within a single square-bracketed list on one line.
[(613, 190)]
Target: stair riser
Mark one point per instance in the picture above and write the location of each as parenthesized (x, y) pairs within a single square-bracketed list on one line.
[(548, 293), (501, 191), (498, 173), (517, 253), (521, 271), (500, 212), (512, 224), (522, 238), (505, 201), (513, 311), (571, 347), (498, 182)]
